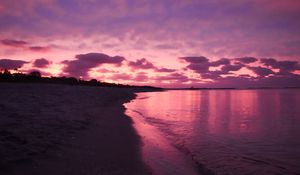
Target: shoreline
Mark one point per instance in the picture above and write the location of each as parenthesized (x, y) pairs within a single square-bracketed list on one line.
[(91, 135), (158, 152)]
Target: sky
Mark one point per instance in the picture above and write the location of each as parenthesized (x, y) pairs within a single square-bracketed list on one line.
[(166, 43)]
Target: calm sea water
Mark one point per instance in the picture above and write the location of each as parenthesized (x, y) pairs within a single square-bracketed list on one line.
[(219, 131)]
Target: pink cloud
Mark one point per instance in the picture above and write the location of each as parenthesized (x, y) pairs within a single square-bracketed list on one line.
[(14, 43), (145, 64), (82, 63), (11, 64), (261, 71), (39, 48), (141, 64), (41, 63)]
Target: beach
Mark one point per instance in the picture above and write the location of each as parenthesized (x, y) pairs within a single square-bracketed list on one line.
[(62, 129)]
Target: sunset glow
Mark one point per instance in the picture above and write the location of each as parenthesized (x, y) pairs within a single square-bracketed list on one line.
[(180, 43)]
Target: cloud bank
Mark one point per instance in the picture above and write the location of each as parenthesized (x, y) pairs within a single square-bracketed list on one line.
[(198, 71), (82, 63)]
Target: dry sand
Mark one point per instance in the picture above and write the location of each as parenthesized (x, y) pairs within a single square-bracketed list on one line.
[(60, 129)]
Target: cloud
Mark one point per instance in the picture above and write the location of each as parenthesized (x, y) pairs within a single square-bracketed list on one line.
[(247, 60), (222, 72), (84, 62), (217, 28), (165, 70), (173, 77), (222, 61), (202, 64), (121, 76), (283, 66), (199, 68), (141, 77), (141, 64), (226, 75), (212, 75), (11, 64), (261, 71), (103, 70), (198, 60), (227, 68), (14, 43), (39, 48), (23, 44), (198, 64), (41, 63), (166, 46), (136, 79), (268, 61)]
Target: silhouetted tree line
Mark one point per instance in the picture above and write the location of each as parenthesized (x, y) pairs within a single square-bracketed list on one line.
[(36, 77)]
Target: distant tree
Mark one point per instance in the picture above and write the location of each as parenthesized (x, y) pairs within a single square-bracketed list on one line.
[(93, 81), (36, 74), (5, 75), (17, 70), (6, 72)]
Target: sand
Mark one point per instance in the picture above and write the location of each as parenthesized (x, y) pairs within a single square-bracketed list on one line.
[(60, 129)]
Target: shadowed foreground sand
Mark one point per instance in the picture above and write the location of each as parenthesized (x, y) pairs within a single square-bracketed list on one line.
[(58, 129)]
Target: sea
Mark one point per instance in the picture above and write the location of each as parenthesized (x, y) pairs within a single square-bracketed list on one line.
[(219, 132)]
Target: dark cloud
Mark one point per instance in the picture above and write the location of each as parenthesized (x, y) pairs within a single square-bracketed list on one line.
[(199, 68), (222, 61), (13, 43), (266, 76), (227, 68), (283, 66), (261, 71), (84, 62), (201, 64), (287, 66), (39, 48), (212, 75), (41, 63), (200, 59), (268, 61), (247, 60), (141, 64), (197, 64), (23, 44), (173, 77), (11, 64), (164, 70)]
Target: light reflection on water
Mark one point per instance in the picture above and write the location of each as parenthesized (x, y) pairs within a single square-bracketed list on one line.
[(228, 131)]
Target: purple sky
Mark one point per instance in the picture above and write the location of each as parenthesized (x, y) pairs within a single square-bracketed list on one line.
[(169, 43)]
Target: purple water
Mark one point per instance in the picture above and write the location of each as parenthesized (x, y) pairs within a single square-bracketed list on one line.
[(219, 131)]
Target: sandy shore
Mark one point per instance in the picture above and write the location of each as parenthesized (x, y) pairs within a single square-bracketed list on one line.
[(59, 129)]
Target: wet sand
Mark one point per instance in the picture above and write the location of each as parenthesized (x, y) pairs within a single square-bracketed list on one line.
[(59, 129)]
